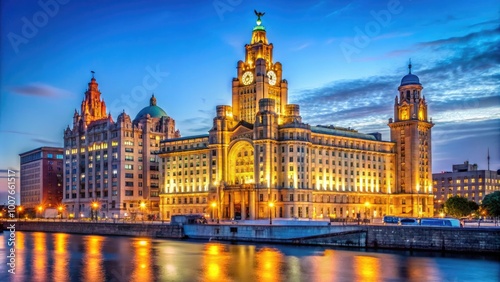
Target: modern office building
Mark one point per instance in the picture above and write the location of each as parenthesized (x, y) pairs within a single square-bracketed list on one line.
[(113, 163), (464, 180), (41, 179), (260, 159)]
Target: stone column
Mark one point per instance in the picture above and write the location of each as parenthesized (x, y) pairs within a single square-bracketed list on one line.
[(243, 204), (251, 204), (231, 205)]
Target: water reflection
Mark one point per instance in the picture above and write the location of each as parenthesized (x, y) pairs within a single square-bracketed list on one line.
[(63, 257), (215, 262), (142, 264), (268, 264), (367, 268), (39, 259), (92, 260)]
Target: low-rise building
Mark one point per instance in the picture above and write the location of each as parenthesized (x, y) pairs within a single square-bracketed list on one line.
[(465, 180), (41, 179)]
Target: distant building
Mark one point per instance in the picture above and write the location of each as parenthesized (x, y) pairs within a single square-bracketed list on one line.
[(465, 180), (113, 163), (260, 159), (41, 178)]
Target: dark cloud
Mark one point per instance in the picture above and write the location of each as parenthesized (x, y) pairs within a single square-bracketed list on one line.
[(460, 39), (16, 132), (41, 90), (4, 173), (46, 142), (199, 130), (495, 22)]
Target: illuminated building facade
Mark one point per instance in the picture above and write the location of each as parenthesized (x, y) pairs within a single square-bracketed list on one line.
[(465, 180), (114, 163), (41, 178), (260, 159)]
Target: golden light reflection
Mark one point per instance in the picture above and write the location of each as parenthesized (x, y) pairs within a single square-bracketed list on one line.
[(215, 263), (93, 265), (143, 265), (39, 260), (367, 268), (268, 263), (61, 257), (328, 268)]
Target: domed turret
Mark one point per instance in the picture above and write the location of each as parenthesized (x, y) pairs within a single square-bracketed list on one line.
[(410, 78), (152, 110)]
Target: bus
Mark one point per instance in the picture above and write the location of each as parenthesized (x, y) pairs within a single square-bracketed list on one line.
[(443, 222)]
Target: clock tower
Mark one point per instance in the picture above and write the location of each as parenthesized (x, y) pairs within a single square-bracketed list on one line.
[(411, 131), (258, 77)]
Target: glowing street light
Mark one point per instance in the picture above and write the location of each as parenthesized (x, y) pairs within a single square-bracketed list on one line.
[(95, 206), (271, 205), (60, 209), (40, 209), (214, 205), (142, 205), (367, 206), (19, 209)]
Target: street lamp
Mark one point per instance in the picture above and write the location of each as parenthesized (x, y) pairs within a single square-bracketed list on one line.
[(142, 205), (95, 205), (213, 211), (60, 208), (19, 209), (271, 205), (40, 208), (367, 206)]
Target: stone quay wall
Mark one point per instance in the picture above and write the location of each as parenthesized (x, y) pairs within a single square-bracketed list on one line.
[(92, 228), (363, 236)]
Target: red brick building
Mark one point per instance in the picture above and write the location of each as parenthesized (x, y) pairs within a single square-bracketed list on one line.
[(41, 178)]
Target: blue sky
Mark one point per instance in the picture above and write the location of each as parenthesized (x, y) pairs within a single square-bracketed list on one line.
[(343, 60)]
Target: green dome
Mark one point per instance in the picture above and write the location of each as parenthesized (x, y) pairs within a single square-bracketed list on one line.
[(152, 110)]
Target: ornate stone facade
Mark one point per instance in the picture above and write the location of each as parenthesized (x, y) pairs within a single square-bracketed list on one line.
[(260, 159), (114, 164)]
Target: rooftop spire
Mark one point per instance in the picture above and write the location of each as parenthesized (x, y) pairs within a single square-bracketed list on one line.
[(93, 72), (488, 158), (409, 66)]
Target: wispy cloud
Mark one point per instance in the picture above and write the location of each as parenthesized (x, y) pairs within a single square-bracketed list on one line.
[(342, 10), (301, 46), (441, 20), (462, 85), (40, 90)]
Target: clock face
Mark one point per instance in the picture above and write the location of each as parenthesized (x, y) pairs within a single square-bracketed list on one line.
[(247, 78), (272, 77)]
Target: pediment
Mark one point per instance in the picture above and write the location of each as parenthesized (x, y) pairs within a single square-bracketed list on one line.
[(242, 130)]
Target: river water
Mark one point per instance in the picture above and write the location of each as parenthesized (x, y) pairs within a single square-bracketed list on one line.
[(66, 257)]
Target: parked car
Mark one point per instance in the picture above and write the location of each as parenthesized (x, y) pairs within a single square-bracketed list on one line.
[(408, 221), (389, 219)]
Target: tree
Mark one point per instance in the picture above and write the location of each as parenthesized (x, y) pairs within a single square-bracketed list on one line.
[(491, 203), (458, 206)]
